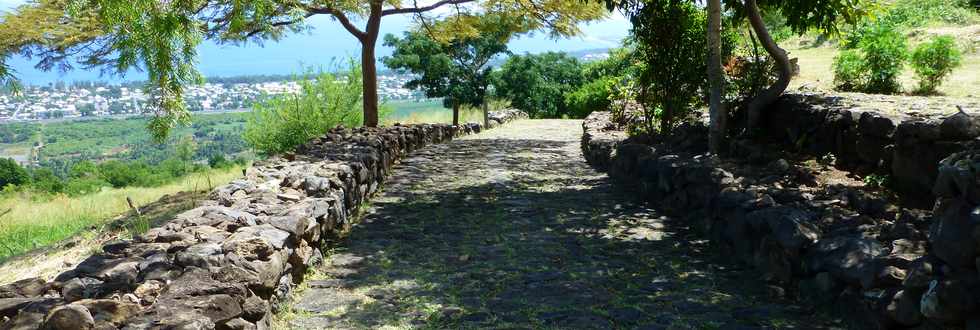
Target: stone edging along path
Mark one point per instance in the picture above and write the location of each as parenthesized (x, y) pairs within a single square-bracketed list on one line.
[(228, 263), (898, 273)]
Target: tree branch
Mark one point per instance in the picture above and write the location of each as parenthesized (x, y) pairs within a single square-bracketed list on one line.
[(416, 9), (278, 24), (360, 35)]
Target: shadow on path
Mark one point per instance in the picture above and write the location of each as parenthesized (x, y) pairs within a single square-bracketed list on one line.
[(512, 230)]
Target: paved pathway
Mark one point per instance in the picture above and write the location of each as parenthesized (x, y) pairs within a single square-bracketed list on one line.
[(510, 229)]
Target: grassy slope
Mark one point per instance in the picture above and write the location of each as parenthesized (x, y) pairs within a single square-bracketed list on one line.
[(816, 63), (32, 224)]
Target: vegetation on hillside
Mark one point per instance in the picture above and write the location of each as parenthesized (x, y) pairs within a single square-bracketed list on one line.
[(37, 219), (283, 122)]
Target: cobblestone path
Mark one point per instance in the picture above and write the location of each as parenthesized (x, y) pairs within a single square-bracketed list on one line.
[(511, 229)]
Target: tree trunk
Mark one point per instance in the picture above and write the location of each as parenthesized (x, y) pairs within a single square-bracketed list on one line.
[(486, 113), (369, 68), (769, 95), (716, 107), (455, 113)]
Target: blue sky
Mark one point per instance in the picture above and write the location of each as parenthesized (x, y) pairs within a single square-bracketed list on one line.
[(328, 41)]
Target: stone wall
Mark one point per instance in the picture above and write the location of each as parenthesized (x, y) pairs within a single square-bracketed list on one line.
[(880, 265), (899, 136), (229, 263)]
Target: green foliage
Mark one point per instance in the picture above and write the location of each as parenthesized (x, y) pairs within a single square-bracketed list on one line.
[(537, 84), (849, 70), (603, 79), (593, 96), (915, 13), (670, 38), (877, 180), (45, 180), (906, 14), (934, 60), (283, 122), (12, 173), (883, 53)]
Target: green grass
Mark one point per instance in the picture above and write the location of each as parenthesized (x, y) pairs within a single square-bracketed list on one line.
[(34, 223)]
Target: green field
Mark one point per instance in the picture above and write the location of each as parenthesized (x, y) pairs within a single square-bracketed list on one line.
[(33, 220)]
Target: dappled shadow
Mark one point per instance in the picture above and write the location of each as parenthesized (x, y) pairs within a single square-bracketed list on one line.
[(494, 232)]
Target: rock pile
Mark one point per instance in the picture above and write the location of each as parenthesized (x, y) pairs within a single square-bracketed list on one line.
[(887, 267), (229, 263)]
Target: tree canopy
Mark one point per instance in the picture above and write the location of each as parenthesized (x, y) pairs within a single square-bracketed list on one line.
[(538, 84)]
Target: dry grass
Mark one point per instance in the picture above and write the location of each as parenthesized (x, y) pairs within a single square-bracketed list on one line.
[(438, 117), (35, 222), (445, 116)]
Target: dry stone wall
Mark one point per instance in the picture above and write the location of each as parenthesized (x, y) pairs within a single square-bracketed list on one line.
[(882, 266), (230, 262), (899, 136)]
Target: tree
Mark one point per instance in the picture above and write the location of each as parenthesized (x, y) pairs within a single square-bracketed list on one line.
[(12, 173), (801, 16), (671, 39), (457, 71), (537, 84), (718, 115), (160, 37)]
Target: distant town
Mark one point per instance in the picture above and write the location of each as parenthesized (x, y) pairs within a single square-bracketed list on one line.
[(96, 99)]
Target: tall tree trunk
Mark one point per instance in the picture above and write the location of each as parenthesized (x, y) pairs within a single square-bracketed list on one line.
[(769, 95), (486, 113), (455, 113), (369, 67), (716, 107)]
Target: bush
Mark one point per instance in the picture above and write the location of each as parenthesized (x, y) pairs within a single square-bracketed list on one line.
[(875, 65), (120, 174), (281, 123), (885, 53), (593, 96), (933, 61), (86, 185), (12, 173), (848, 70), (46, 181)]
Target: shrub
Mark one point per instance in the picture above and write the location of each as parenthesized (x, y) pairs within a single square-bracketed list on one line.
[(12, 173), (85, 185), (935, 60), (120, 174), (885, 53), (281, 123), (848, 70), (593, 96), (45, 180)]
